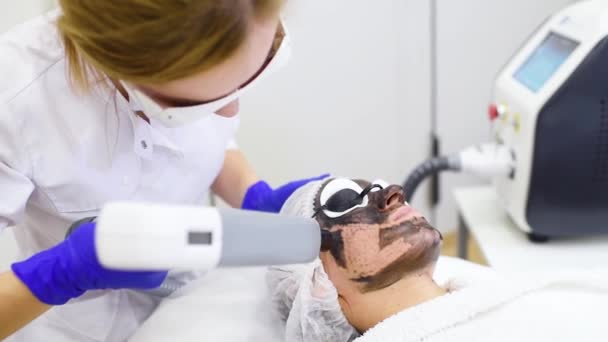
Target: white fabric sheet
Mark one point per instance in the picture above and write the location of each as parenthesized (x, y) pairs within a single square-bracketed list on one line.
[(234, 305), (568, 307), (224, 305)]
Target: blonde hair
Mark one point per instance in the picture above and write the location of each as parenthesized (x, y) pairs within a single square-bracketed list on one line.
[(153, 41)]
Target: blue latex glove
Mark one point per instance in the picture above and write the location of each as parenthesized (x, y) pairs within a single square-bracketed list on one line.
[(261, 197), (71, 268)]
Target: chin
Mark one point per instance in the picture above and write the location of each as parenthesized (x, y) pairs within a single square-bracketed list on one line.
[(435, 241)]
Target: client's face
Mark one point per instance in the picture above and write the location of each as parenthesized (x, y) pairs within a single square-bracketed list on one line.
[(371, 238)]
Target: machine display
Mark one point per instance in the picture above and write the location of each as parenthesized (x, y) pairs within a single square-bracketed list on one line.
[(545, 61)]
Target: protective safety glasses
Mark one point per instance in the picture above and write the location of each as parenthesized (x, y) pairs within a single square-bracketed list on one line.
[(341, 196), (277, 58)]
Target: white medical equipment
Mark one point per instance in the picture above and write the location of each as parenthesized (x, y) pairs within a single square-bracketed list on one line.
[(549, 161), (135, 236)]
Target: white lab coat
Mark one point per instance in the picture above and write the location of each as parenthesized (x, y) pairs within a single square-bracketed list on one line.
[(63, 155)]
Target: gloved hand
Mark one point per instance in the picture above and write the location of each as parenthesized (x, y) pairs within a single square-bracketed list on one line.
[(261, 197), (71, 268)]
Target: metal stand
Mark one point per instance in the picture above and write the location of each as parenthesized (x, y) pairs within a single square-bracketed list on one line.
[(463, 238)]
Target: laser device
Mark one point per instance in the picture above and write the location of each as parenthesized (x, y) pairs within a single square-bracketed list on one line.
[(139, 236), (549, 161)]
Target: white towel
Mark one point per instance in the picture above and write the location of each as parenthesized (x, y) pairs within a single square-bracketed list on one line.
[(549, 308)]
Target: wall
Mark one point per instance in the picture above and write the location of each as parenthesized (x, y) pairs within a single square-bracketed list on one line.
[(475, 38), (354, 100), (15, 12)]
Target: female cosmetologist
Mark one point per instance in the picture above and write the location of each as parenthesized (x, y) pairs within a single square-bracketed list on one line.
[(119, 100)]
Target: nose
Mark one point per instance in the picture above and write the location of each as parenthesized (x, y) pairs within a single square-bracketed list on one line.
[(230, 109), (391, 198)]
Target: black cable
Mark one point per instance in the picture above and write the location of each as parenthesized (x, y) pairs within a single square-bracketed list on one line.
[(428, 168), (77, 225)]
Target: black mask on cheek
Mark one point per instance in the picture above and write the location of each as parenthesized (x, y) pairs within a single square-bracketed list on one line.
[(374, 212), (341, 201)]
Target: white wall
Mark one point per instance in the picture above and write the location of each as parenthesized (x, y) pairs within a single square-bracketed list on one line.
[(475, 39), (354, 99), (15, 12)]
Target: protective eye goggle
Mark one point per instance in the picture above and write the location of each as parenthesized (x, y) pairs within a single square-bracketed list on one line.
[(277, 58), (341, 196)]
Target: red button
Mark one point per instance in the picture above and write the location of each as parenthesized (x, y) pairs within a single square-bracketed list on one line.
[(493, 112)]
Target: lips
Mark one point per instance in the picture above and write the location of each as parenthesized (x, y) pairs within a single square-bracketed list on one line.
[(403, 213)]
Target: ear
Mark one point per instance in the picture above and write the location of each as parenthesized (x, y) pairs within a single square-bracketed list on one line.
[(328, 262), (338, 275)]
